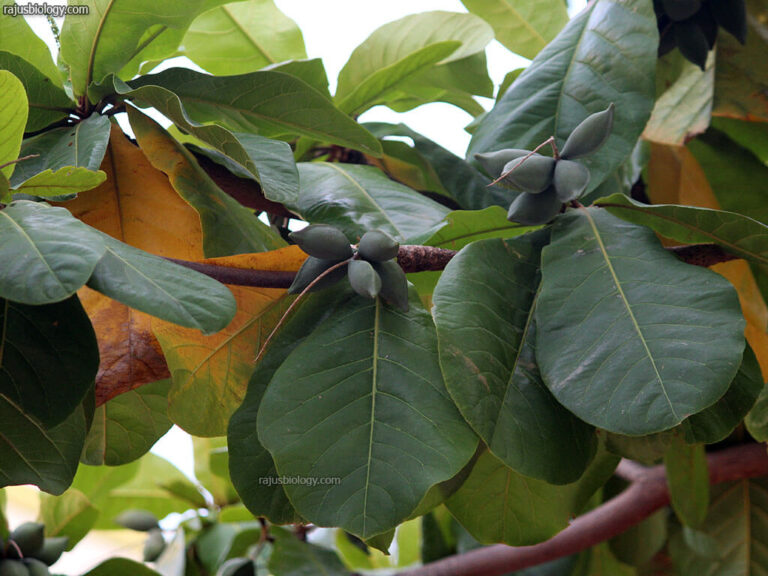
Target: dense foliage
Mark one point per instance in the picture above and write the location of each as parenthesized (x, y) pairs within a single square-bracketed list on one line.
[(486, 396)]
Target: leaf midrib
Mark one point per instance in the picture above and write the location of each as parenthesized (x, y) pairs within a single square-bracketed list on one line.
[(375, 361)]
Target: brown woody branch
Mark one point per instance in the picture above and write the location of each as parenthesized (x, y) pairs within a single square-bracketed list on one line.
[(414, 258), (646, 494)]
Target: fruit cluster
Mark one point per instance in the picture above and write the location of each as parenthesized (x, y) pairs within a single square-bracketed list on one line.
[(27, 552), (144, 521), (371, 266), (692, 25), (546, 182)]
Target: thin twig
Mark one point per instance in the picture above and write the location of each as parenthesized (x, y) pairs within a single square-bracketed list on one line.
[(29, 157), (550, 140)]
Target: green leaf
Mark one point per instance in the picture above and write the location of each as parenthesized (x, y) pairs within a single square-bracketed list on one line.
[(356, 199), (46, 255), (161, 288), (13, 118), (52, 350), (398, 50), (496, 504), (208, 455), (647, 450), (292, 557), (311, 70), (750, 135), (72, 515), (600, 562), (121, 567), (340, 407), (17, 37), (718, 421), (33, 454), (62, 182), (99, 481), (523, 27), (737, 523), (609, 45), (184, 490), (737, 234), (228, 227), (623, 326), (48, 103), (688, 480), (81, 145), (483, 309), (463, 227), (267, 102), (242, 37), (113, 32), (127, 426), (757, 419), (638, 545)]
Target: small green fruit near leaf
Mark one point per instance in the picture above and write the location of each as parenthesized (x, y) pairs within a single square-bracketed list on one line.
[(571, 179), (237, 567), (732, 16), (691, 42), (534, 209), (153, 545), (52, 549), (140, 520), (532, 174), (681, 9), (311, 269), (493, 162), (377, 246), (28, 537), (394, 284), (323, 241), (589, 135), (36, 568), (364, 279), (13, 568)]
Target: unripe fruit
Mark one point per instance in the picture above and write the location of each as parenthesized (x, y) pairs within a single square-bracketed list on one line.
[(36, 568), (571, 179), (28, 537), (52, 549), (237, 567), (493, 162), (394, 284), (732, 16), (692, 42), (139, 520), (532, 174), (534, 209), (589, 135), (364, 279), (153, 545), (681, 9), (377, 246), (13, 568), (311, 269), (323, 241)]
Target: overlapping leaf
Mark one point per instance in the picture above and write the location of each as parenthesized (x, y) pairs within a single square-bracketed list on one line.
[(462, 227), (72, 515), (483, 309), (688, 480), (610, 44), (623, 326), (291, 556), (13, 118), (361, 400), (17, 37)]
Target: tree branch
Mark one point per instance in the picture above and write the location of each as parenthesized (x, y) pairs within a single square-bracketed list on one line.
[(413, 258), (644, 496)]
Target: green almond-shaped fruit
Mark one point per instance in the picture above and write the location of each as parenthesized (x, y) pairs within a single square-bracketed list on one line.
[(681, 9), (36, 567), (493, 162), (237, 567), (13, 568), (364, 279), (323, 241), (534, 209), (377, 246), (571, 179), (29, 537), (732, 17), (52, 549), (139, 520), (589, 135), (692, 42), (153, 545), (394, 284), (532, 174), (311, 269)]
